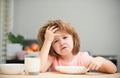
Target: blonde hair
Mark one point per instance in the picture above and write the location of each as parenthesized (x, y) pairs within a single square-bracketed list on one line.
[(64, 26)]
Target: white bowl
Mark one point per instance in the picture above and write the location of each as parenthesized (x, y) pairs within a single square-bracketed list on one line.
[(72, 69), (12, 68)]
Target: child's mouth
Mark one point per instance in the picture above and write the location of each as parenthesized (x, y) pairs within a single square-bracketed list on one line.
[(64, 48)]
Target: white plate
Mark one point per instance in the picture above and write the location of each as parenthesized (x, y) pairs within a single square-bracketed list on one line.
[(72, 69), (12, 68)]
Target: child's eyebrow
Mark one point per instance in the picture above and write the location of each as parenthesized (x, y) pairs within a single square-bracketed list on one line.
[(55, 38), (57, 35)]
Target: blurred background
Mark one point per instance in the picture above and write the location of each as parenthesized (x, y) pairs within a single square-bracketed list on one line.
[(96, 21)]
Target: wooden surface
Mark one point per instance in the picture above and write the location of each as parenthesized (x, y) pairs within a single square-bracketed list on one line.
[(60, 75)]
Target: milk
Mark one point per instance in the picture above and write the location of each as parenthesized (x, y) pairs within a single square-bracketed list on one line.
[(32, 64)]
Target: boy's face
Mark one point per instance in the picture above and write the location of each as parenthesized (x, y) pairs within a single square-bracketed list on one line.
[(62, 43)]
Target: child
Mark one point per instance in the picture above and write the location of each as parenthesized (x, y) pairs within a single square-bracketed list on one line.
[(60, 46)]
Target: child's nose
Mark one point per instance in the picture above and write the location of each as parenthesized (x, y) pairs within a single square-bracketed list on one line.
[(61, 42)]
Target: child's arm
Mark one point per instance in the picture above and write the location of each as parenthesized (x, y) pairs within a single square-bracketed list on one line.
[(44, 52), (45, 62), (101, 64)]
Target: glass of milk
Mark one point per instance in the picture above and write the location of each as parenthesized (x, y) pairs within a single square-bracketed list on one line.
[(32, 63)]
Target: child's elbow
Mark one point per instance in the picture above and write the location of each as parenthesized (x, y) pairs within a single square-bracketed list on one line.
[(42, 70)]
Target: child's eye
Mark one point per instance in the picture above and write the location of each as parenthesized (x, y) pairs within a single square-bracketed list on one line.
[(55, 41), (65, 37)]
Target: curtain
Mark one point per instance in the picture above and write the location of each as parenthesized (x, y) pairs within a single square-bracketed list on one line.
[(6, 25)]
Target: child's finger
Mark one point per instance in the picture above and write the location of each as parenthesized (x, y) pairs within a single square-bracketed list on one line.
[(51, 28)]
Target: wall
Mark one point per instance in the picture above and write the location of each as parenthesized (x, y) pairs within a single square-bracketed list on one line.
[(97, 21)]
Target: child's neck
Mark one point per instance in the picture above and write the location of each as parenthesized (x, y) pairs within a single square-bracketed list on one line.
[(68, 58)]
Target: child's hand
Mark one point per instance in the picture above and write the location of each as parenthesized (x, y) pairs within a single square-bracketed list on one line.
[(49, 35), (95, 63)]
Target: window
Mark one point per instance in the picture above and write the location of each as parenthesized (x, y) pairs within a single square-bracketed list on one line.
[(6, 24)]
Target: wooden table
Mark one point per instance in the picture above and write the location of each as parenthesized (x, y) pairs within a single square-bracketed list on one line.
[(60, 75)]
